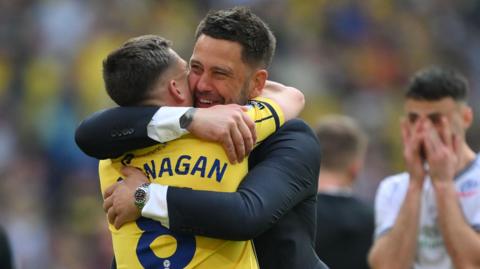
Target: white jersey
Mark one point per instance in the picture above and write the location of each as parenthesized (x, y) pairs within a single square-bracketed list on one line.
[(431, 252)]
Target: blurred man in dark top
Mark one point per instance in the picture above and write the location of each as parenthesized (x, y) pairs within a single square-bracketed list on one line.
[(344, 224), (5, 252)]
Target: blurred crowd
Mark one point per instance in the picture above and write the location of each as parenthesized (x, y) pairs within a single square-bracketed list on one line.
[(347, 56)]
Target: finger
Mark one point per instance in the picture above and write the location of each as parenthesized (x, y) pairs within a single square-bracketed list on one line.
[(432, 140), (410, 145), (238, 142), (130, 171), (117, 223), (111, 215), (251, 126), (416, 142), (227, 144), (430, 149), (107, 204), (412, 134), (120, 221), (246, 135), (416, 134), (419, 126), (433, 134), (446, 132), (134, 172), (405, 131), (108, 192)]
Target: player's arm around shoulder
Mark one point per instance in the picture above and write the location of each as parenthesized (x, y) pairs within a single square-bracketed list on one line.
[(290, 100), (230, 126), (227, 125), (276, 104)]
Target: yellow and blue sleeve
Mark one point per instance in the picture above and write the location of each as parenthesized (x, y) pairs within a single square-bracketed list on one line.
[(267, 115)]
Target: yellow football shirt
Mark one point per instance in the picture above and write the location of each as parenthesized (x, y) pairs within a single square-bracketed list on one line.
[(193, 163)]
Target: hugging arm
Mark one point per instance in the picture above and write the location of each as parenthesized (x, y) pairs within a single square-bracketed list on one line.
[(112, 132), (290, 99), (284, 168)]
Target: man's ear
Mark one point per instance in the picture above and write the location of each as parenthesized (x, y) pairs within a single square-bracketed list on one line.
[(467, 116), (177, 95), (258, 80), (355, 168)]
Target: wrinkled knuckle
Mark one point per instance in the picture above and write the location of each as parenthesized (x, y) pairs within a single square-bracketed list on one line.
[(225, 143), (225, 136), (238, 115), (222, 133)]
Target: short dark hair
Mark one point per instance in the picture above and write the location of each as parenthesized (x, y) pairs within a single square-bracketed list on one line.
[(131, 71), (342, 141), (435, 83), (240, 25)]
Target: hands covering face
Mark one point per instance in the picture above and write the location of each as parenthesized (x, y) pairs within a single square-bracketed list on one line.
[(436, 145), (442, 151)]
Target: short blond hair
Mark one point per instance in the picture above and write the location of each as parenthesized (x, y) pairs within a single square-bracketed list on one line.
[(342, 141)]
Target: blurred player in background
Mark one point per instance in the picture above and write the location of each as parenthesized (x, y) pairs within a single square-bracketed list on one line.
[(5, 251), (344, 223), (429, 216)]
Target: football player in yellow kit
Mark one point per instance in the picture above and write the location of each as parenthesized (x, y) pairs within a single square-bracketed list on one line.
[(146, 71)]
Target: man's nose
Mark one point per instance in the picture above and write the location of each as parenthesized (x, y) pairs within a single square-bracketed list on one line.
[(204, 83)]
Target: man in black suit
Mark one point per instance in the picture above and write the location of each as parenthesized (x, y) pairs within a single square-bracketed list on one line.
[(275, 204)]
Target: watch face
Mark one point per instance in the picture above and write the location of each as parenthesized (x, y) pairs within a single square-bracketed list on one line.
[(140, 195)]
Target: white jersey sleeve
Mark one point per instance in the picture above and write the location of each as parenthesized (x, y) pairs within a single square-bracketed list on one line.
[(388, 201), (165, 124), (468, 190), (475, 214)]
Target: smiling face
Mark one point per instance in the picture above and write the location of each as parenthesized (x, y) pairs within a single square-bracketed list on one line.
[(218, 75)]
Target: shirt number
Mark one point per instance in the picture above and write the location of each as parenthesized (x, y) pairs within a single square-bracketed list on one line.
[(151, 231)]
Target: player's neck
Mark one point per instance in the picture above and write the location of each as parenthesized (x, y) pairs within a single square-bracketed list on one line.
[(332, 181), (467, 156), (153, 102)]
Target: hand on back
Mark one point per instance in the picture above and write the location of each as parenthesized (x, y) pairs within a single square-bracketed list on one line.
[(119, 200)]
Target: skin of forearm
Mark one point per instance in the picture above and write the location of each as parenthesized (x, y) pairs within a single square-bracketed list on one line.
[(396, 249), (461, 240), (290, 100)]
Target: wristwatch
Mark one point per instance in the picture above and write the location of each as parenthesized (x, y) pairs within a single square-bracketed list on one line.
[(141, 195), (187, 118)]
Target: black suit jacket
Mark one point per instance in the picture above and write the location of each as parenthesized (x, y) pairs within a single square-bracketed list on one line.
[(111, 132), (275, 204)]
